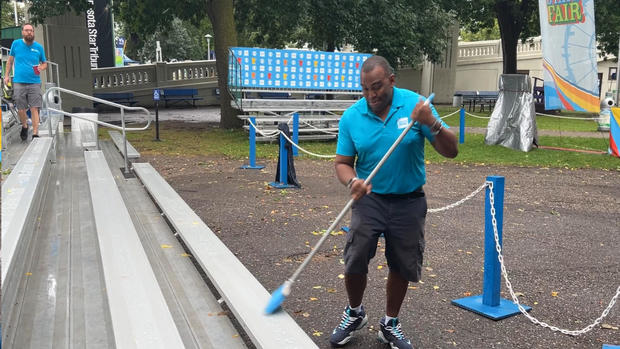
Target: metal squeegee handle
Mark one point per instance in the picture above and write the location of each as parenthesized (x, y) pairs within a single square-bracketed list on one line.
[(348, 205)]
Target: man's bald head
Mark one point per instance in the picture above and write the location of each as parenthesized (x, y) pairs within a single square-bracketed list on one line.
[(377, 61)]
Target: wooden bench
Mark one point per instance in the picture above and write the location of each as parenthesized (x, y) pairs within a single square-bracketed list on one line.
[(126, 98), (138, 311), (230, 277), (175, 95)]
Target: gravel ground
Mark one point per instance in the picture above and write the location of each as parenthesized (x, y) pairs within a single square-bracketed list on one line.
[(561, 242)]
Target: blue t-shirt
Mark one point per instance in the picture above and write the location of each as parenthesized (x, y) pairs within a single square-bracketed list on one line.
[(25, 56), (363, 134)]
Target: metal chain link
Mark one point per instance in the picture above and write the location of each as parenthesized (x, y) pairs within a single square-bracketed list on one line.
[(264, 134), (477, 116), (433, 210), (277, 132), (498, 248), (449, 115), (304, 150)]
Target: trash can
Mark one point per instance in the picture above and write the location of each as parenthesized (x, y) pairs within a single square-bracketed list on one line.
[(457, 100)]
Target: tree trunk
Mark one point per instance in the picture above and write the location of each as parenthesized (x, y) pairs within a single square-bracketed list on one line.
[(510, 26), (225, 35)]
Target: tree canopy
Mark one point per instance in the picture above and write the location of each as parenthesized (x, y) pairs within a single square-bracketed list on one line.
[(403, 31), (519, 20)]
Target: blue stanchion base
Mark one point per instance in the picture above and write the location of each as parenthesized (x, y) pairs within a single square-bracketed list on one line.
[(505, 308), (250, 167), (611, 346), (280, 185)]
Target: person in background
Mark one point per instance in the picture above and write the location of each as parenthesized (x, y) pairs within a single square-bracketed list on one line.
[(394, 203), (28, 58)]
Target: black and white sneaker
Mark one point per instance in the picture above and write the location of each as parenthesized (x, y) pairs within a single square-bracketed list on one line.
[(24, 133), (392, 334), (351, 321)]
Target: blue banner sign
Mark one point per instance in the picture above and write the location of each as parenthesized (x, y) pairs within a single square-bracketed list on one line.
[(298, 69)]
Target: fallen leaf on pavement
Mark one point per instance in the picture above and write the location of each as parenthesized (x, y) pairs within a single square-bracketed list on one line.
[(609, 327)]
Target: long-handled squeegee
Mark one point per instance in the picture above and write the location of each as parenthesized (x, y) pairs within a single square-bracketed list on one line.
[(279, 295)]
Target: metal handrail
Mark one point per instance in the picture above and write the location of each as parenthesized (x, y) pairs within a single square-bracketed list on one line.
[(102, 123)]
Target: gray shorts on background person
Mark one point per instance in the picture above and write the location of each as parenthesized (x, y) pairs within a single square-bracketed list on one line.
[(27, 95)]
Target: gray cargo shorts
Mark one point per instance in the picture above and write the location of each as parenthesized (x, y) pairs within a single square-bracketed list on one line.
[(401, 219), (27, 95)]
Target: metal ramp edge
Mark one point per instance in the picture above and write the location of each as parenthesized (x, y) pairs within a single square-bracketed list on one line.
[(139, 313), (117, 138), (243, 293), (22, 194)]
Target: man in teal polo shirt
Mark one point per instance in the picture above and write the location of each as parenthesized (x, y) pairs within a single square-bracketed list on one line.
[(29, 59), (393, 204)]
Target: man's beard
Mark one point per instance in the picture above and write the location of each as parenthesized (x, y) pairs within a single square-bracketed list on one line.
[(29, 39)]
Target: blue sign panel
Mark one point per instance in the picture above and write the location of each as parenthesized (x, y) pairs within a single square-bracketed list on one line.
[(299, 69), (156, 94)]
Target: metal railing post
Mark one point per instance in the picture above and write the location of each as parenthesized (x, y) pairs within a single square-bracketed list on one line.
[(126, 170)]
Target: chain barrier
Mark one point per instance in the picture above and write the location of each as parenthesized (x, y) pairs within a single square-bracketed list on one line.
[(500, 257), (477, 116), (264, 134), (304, 150), (443, 117), (433, 210), (569, 117)]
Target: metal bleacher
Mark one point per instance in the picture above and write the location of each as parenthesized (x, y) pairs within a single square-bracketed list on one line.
[(95, 258), (271, 85)]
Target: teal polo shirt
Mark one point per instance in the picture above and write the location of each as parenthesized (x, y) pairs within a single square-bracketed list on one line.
[(363, 134), (25, 56)]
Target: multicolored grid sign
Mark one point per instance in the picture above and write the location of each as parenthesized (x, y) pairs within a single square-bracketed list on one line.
[(299, 69)]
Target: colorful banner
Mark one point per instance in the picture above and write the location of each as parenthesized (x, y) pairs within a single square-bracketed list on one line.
[(298, 69), (614, 132), (119, 51), (569, 55)]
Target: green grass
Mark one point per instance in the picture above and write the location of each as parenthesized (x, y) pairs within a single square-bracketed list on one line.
[(542, 122), (192, 140), (474, 151)]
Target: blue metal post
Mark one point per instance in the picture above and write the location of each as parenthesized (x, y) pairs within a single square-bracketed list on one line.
[(252, 165), (462, 125), (283, 160), (491, 283), (295, 132), (490, 304)]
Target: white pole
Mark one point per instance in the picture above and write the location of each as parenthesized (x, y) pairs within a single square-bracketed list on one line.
[(208, 36), (618, 74), (15, 12)]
